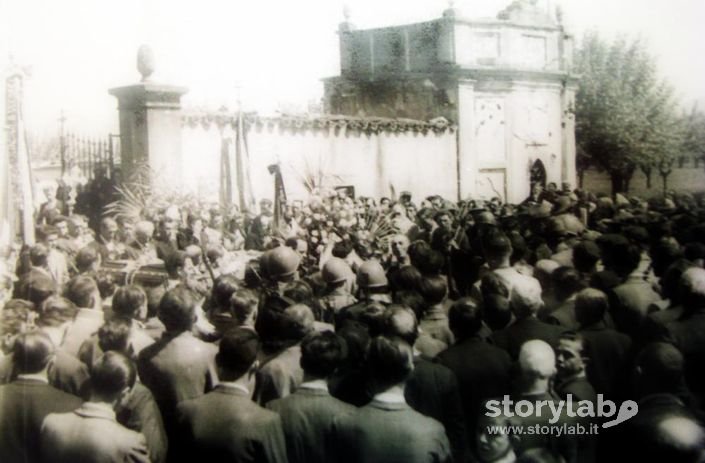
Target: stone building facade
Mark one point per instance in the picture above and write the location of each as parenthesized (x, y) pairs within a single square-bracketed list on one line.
[(505, 82)]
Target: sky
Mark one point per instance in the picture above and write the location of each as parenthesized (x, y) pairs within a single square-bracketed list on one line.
[(272, 53)]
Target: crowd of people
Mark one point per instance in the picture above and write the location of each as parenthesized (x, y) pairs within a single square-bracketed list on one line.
[(342, 329)]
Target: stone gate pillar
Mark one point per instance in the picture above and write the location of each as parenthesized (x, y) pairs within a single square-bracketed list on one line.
[(150, 126)]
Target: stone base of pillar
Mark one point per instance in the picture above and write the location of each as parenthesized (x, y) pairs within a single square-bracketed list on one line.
[(150, 131)]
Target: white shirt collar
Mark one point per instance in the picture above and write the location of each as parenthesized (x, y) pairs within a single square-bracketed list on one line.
[(234, 385), (34, 377), (96, 410), (392, 396), (316, 384)]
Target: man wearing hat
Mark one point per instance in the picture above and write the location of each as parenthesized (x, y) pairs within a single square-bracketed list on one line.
[(336, 273), (373, 288)]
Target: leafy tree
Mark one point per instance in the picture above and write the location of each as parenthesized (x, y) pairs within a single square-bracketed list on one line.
[(694, 136), (625, 116)]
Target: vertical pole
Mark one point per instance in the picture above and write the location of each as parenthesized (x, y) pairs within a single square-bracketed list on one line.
[(110, 156), (84, 158), (458, 173), (62, 142)]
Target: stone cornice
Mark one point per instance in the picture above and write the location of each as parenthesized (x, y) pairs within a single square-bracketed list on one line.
[(148, 95), (451, 73), (368, 125)]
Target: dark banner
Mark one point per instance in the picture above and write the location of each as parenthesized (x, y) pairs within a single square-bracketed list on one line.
[(279, 195)]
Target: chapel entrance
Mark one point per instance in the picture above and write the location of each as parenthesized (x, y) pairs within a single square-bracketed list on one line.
[(537, 174)]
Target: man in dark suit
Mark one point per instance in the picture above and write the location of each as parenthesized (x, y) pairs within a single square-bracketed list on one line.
[(631, 300), (178, 366), (26, 401), (37, 283), (525, 302), (65, 372), (225, 424), (608, 351), (139, 411), (688, 332), (432, 389), (106, 243), (91, 433), (281, 373), (661, 396), (387, 429), (483, 370), (308, 413)]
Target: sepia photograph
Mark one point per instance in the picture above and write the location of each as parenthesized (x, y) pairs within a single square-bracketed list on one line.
[(391, 231)]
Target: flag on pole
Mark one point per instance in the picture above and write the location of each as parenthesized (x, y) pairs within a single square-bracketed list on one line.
[(26, 193), (242, 166), (19, 208), (226, 178), (279, 195)]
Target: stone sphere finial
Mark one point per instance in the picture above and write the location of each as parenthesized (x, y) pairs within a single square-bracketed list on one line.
[(145, 62), (346, 13), (451, 11)]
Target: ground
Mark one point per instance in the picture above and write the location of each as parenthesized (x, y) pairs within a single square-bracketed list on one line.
[(681, 180)]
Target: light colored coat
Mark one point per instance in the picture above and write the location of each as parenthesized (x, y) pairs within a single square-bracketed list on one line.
[(90, 434)]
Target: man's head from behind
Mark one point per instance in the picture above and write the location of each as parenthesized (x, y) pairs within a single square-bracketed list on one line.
[(400, 321), (38, 255), (566, 282), (465, 318), (591, 305), (434, 289), (237, 354), (223, 289), (87, 259), (38, 288), (525, 300), (676, 439), (659, 368), (321, 354), (115, 335), (585, 256), (537, 362), (130, 302), (32, 352), (177, 309), (83, 291), (112, 377), (692, 288), (56, 312), (497, 249), (391, 361), (298, 321)]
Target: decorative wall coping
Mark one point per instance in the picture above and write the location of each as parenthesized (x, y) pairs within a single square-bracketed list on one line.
[(368, 125)]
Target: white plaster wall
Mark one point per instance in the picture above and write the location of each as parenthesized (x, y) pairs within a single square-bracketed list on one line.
[(534, 116), (422, 164), (506, 46), (466, 140)]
